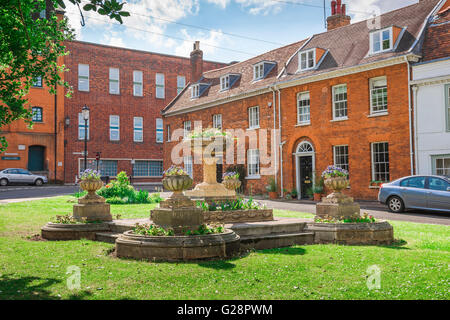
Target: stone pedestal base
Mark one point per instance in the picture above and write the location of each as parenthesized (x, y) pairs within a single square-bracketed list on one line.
[(337, 205), (210, 190), (179, 219), (96, 211)]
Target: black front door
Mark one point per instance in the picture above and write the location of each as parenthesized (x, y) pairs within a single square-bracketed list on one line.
[(306, 179), (36, 158)]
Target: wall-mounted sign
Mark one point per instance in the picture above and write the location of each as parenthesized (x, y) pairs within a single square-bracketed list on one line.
[(11, 154), (21, 147), (10, 158)]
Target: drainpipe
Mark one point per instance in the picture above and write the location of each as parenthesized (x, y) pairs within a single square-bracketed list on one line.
[(281, 143), (274, 130), (416, 136), (56, 129), (411, 148)]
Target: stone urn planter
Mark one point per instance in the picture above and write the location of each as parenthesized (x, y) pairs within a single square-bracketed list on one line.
[(91, 185), (177, 184), (337, 184), (232, 184)]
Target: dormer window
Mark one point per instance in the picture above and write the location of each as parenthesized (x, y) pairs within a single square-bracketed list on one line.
[(195, 91), (381, 41), (307, 60), (225, 82), (258, 71)]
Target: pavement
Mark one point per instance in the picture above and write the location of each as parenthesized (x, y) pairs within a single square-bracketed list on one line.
[(12, 194)]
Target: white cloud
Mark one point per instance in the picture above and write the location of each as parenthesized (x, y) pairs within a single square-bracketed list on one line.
[(263, 7), (220, 3), (364, 9), (212, 39)]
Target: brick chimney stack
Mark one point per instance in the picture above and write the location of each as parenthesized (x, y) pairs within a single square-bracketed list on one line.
[(339, 17), (196, 63)]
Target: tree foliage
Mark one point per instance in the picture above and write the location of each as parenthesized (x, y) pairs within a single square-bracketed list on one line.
[(30, 47)]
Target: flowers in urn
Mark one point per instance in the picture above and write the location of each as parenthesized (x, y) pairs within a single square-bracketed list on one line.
[(335, 178), (90, 174), (175, 171), (231, 180)]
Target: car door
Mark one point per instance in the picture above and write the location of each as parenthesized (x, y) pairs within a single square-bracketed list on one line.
[(27, 177), (413, 192), (438, 194), (13, 176)]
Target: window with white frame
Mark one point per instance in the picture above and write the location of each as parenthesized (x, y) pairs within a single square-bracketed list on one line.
[(37, 82), (168, 133), (340, 102), (225, 82), (447, 107), (138, 129), (258, 71), (181, 83), (217, 121), (83, 77), (195, 91), (340, 155), (37, 114), (114, 87), (253, 117), (378, 95), (307, 59), (381, 40), (82, 127), (138, 83), (303, 108), (380, 161), (187, 128), (159, 130), (106, 167), (441, 165), (188, 165), (114, 128), (253, 162), (148, 168), (160, 86)]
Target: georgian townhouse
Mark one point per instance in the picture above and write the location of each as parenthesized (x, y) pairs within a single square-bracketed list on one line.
[(125, 91), (431, 96), (340, 97)]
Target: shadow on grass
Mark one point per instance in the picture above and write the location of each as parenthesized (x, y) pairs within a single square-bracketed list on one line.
[(31, 288), (292, 251), (398, 244)]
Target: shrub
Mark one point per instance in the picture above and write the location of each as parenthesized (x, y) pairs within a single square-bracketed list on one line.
[(152, 230), (272, 187), (116, 200), (205, 229)]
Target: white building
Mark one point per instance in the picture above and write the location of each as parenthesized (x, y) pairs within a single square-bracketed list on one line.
[(431, 96)]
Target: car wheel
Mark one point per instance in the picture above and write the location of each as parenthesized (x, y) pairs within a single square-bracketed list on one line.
[(39, 182), (3, 182), (396, 204)]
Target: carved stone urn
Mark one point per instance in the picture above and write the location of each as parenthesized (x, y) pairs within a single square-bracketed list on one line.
[(91, 186), (177, 183), (232, 184), (337, 184)]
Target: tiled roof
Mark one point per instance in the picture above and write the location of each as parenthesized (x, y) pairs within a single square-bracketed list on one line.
[(347, 46), (437, 37)]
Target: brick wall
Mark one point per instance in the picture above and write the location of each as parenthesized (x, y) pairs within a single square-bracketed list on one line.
[(102, 104), (358, 132)]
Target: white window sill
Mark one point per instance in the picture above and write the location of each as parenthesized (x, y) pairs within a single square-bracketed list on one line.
[(339, 119), (303, 124), (256, 177), (380, 114), (374, 187), (146, 177), (254, 128)]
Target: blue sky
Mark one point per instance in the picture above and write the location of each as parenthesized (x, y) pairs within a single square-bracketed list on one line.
[(151, 25)]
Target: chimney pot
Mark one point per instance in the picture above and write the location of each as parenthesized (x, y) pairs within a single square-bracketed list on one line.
[(338, 17), (196, 63)]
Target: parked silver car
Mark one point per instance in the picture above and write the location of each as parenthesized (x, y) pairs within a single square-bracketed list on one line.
[(416, 192), (10, 176)]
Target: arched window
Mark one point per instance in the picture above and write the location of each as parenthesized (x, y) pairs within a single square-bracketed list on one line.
[(305, 147)]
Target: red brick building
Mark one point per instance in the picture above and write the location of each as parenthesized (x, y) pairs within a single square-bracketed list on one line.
[(39, 149), (125, 91), (340, 97)]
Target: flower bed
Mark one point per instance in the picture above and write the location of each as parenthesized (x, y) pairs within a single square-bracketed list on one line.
[(157, 231), (238, 204), (366, 218)]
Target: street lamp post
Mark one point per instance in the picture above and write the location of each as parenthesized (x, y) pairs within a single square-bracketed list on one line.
[(85, 114)]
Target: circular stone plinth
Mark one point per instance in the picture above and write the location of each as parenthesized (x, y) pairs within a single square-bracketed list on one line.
[(352, 233), (177, 248), (59, 231)]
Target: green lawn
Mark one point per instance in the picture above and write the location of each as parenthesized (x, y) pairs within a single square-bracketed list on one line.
[(416, 268)]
